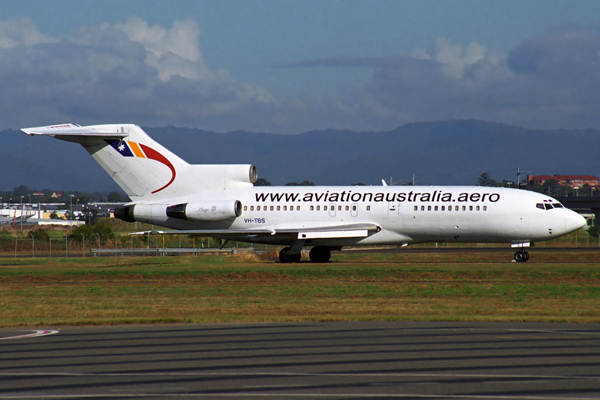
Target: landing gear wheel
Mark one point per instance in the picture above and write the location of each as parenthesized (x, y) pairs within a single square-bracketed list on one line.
[(286, 255), (521, 256), (319, 254)]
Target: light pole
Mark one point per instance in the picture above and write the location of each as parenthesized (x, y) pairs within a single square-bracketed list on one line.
[(22, 212), (71, 215)]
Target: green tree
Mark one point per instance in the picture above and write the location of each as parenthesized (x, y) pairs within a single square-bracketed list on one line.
[(116, 197), (262, 182), (486, 180), (21, 191), (551, 187), (303, 183), (91, 233), (39, 234)]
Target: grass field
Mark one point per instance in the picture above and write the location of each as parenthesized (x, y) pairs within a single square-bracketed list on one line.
[(464, 286)]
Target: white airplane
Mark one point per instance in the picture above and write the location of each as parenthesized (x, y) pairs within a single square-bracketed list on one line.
[(221, 201)]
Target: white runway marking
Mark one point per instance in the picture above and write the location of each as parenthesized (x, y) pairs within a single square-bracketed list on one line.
[(30, 335)]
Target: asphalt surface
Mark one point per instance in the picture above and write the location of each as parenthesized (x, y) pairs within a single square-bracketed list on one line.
[(304, 360)]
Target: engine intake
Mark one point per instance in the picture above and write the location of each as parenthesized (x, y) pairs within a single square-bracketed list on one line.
[(209, 211)]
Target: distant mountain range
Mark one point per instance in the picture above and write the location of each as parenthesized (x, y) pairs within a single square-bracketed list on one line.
[(450, 152)]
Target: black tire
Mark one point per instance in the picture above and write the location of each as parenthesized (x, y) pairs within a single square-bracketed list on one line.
[(286, 255), (319, 254), (521, 256), (297, 256)]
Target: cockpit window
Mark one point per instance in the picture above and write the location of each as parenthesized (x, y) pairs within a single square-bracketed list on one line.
[(558, 205), (548, 206), (540, 205)]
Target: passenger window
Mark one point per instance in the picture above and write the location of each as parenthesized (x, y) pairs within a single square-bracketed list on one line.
[(368, 208), (435, 208), (455, 208), (297, 208), (318, 208), (347, 208), (284, 208), (470, 208), (422, 208), (484, 208), (416, 208), (464, 208), (278, 208), (257, 208), (443, 208), (271, 208), (312, 208), (245, 208), (477, 208), (354, 208), (339, 208), (251, 208)]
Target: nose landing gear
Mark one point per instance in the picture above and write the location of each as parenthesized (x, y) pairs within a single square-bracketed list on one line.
[(521, 256)]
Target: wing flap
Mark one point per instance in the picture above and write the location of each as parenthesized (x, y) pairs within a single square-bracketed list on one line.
[(325, 232), (333, 234)]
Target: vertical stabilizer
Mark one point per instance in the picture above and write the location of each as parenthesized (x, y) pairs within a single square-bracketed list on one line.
[(143, 168), (139, 165)]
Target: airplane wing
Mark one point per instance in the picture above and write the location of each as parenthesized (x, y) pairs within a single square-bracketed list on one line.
[(323, 232)]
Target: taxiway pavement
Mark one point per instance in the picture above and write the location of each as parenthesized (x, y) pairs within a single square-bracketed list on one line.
[(304, 360)]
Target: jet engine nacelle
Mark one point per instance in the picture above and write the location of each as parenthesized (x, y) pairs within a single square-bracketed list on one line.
[(206, 211)]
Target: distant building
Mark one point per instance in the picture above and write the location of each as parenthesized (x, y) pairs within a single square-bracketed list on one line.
[(573, 181), (56, 195), (39, 194)]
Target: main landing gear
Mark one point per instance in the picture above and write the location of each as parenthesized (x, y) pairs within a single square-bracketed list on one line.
[(521, 256), (318, 254), (287, 255)]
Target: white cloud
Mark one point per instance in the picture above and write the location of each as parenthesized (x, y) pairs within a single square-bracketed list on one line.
[(454, 58), (174, 51), (21, 32), (126, 72), (153, 75)]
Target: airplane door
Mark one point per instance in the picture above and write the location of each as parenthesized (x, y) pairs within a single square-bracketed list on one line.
[(392, 209), (354, 211), (332, 210), (395, 215)]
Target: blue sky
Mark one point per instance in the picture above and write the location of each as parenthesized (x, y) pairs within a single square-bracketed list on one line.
[(293, 66)]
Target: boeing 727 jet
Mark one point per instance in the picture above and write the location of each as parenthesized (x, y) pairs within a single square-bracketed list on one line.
[(221, 201)]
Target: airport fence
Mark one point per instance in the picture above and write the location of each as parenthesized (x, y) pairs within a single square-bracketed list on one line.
[(23, 245)]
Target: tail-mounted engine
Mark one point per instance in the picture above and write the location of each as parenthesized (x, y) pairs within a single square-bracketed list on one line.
[(194, 211), (206, 211)]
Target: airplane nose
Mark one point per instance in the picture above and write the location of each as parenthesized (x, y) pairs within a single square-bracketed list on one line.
[(573, 221)]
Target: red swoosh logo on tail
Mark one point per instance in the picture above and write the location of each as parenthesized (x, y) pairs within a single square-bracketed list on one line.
[(155, 155)]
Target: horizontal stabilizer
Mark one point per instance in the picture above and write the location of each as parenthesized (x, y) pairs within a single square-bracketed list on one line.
[(75, 130)]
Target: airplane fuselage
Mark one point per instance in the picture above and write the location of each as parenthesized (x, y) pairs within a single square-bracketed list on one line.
[(405, 214), (220, 201)]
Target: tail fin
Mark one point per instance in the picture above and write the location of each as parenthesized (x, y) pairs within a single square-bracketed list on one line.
[(143, 168)]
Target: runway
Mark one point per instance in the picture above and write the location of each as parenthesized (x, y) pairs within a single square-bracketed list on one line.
[(304, 360)]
